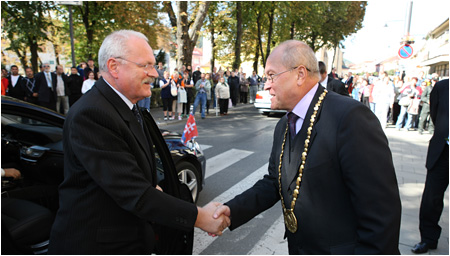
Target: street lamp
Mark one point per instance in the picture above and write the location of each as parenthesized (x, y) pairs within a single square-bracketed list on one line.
[(69, 5)]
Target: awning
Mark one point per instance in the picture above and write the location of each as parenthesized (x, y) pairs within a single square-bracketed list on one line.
[(437, 60)]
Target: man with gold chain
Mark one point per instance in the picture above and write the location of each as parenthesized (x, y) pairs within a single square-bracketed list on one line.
[(330, 166)]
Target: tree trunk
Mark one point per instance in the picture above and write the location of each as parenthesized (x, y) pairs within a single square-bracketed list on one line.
[(55, 47), (269, 38), (32, 42), (255, 63), (183, 41), (213, 44), (258, 23), (22, 57), (334, 57), (89, 27), (237, 44)]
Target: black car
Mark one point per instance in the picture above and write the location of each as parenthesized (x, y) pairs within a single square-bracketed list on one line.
[(32, 142)]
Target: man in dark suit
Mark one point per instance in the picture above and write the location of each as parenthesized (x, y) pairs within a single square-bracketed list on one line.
[(15, 88), (109, 197), (45, 87), (330, 166), (349, 83), (437, 171), (74, 83), (90, 67), (330, 82)]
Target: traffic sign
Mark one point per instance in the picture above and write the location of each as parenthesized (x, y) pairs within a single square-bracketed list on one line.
[(405, 51)]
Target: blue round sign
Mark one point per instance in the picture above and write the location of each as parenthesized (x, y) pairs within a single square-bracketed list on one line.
[(405, 51)]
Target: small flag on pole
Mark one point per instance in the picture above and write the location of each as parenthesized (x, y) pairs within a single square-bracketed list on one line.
[(190, 130)]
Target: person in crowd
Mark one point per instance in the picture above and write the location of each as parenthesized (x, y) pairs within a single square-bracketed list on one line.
[(28, 84), (365, 95), (109, 200), (5, 82), (196, 75), (436, 183), (181, 96), (188, 86), (226, 75), (189, 70), (91, 67), (45, 88), (166, 96), (233, 82), (331, 203), (243, 85), (425, 113), (383, 96), (405, 98), (254, 80), (333, 74), (80, 69), (372, 104), (413, 108), (15, 88), (160, 71), (331, 84), (209, 93), (395, 111), (177, 79), (223, 95), (88, 83), (349, 83), (62, 91), (74, 84), (202, 86)]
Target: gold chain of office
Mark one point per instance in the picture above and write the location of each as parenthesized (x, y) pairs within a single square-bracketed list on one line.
[(289, 217)]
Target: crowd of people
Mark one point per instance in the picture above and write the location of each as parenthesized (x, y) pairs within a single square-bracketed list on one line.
[(400, 100), (180, 89), (54, 90), (222, 88)]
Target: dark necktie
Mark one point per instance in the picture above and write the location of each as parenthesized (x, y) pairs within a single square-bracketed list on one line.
[(292, 119), (138, 116)]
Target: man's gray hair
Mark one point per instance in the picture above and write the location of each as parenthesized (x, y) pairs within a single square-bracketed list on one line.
[(115, 45), (296, 53)]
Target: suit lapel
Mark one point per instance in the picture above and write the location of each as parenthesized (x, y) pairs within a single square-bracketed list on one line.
[(128, 116), (299, 140)]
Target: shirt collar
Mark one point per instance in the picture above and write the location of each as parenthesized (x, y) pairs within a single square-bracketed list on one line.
[(325, 82), (302, 106), (125, 99)]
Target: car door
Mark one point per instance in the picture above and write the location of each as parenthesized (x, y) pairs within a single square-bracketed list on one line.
[(169, 240)]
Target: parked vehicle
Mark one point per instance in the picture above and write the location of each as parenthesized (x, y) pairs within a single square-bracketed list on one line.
[(32, 142), (262, 103)]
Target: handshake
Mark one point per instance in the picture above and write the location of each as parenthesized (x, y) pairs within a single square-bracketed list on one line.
[(213, 218)]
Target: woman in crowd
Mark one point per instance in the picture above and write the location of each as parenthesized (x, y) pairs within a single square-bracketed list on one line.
[(243, 83), (223, 94), (188, 85), (405, 97), (176, 82), (365, 92), (88, 83), (181, 97), (166, 96), (383, 96)]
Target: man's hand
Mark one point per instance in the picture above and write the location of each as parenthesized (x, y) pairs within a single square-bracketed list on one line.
[(12, 173), (206, 222), (221, 210)]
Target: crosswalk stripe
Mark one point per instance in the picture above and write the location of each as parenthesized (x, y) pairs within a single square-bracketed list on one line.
[(272, 242), (201, 238), (222, 161)]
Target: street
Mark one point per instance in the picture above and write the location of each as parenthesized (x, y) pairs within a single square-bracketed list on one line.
[(237, 149)]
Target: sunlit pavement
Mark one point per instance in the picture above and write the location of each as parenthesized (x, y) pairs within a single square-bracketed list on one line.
[(409, 151)]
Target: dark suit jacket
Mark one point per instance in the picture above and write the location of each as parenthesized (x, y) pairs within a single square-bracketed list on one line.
[(336, 86), (108, 197), (17, 91), (349, 200), (41, 87), (439, 116)]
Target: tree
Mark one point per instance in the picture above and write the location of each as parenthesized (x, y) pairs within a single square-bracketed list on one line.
[(185, 34), (238, 42), (25, 23)]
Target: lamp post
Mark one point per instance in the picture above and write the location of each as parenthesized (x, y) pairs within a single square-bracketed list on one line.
[(69, 5)]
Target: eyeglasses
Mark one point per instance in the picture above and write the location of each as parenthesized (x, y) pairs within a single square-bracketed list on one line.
[(147, 67), (271, 77), (46, 66)]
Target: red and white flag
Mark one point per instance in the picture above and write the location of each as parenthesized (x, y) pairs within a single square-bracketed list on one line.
[(190, 130)]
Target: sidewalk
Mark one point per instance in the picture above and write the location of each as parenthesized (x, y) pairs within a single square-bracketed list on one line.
[(409, 151)]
